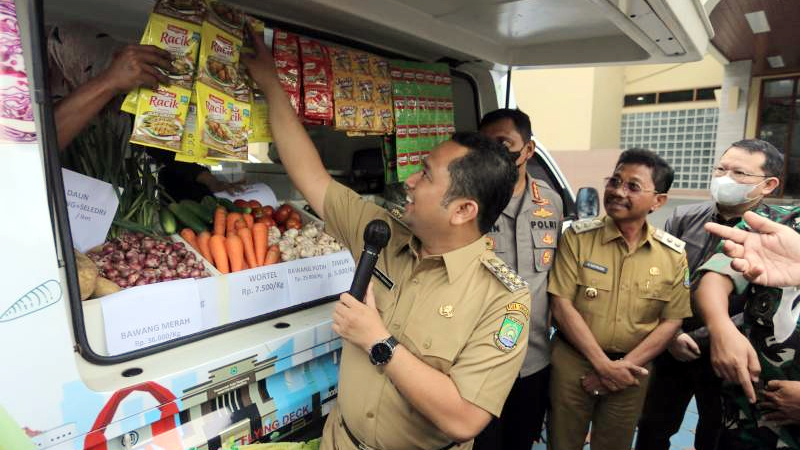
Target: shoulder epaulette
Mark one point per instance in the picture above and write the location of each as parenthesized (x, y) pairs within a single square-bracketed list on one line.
[(584, 225), (397, 214), (510, 279), (669, 240)]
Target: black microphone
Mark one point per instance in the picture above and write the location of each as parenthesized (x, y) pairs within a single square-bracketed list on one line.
[(376, 236)]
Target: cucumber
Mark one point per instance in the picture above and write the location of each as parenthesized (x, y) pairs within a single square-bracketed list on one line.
[(168, 222), (198, 210), (187, 217), (209, 202), (231, 207)]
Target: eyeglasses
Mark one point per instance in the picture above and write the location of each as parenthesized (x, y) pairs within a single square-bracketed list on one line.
[(737, 175), (630, 187)]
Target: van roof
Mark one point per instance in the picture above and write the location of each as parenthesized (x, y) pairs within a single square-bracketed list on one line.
[(504, 32)]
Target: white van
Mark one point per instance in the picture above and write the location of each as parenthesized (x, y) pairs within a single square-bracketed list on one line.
[(273, 376)]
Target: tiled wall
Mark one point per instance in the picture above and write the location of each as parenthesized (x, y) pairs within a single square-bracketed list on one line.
[(685, 138)]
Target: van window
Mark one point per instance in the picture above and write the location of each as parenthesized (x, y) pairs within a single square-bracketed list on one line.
[(465, 102)]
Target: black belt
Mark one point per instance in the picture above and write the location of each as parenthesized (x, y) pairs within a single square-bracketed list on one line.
[(361, 446)]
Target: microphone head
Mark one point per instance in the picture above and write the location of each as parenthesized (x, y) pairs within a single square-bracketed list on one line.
[(377, 234)]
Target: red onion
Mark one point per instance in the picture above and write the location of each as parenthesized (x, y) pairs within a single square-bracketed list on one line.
[(108, 248), (167, 278), (124, 246), (133, 278), (112, 273), (178, 245), (167, 273), (132, 256), (139, 235), (148, 243), (136, 266), (190, 258), (196, 273), (141, 282), (149, 273), (121, 282), (172, 261), (182, 252), (117, 256), (152, 262)]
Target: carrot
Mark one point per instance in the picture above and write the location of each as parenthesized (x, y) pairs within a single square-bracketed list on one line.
[(219, 220), (273, 255), (249, 220), (230, 221), (247, 241), (239, 224), (235, 248), (217, 246), (188, 235), (260, 242), (202, 243)]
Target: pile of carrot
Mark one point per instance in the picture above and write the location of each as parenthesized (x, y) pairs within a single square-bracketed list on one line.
[(237, 243)]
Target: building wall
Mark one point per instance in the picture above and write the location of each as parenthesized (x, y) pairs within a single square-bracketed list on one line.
[(560, 103), (608, 86), (673, 77)]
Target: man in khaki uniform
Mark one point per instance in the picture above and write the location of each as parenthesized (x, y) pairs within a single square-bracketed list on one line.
[(524, 237), (620, 292), (432, 352)]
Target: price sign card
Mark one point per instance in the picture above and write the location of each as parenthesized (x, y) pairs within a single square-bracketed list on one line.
[(318, 277), (255, 191), (92, 205), (257, 291), (130, 321)]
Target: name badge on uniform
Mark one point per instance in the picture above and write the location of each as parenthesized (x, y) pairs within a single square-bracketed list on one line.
[(595, 266), (383, 278)]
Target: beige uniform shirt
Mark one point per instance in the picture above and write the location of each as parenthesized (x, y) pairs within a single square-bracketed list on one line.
[(620, 294), (526, 238), (451, 311)]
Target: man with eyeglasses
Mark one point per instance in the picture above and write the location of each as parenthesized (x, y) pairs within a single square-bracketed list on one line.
[(525, 237), (759, 361), (620, 290), (746, 173)]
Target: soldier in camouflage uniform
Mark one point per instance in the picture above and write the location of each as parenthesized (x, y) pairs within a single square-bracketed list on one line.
[(749, 425)]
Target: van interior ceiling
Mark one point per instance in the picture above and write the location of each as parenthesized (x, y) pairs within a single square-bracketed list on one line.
[(517, 33)]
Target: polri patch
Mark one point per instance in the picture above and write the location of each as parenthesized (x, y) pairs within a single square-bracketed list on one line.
[(687, 280), (595, 266), (508, 335), (515, 306), (383, 278)]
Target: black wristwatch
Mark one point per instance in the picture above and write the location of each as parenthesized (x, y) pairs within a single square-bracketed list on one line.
[(381, 352)]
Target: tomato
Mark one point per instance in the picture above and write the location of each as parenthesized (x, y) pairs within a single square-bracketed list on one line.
[(240, 203), (294, 215), (254, 204), (291, 223), (281, 228), (268, 211)]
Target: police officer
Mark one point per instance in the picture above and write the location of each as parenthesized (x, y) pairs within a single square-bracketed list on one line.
[(620, 292), (525, 237), (432, 353)]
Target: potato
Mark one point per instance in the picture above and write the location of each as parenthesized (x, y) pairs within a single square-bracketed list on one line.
[(87, 274), (105, 287)]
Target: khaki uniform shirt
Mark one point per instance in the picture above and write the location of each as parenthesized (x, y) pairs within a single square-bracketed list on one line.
[(525, 238), (620, 294), (451, 311)]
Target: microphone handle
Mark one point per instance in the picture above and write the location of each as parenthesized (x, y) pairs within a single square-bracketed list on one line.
[(366, 263)]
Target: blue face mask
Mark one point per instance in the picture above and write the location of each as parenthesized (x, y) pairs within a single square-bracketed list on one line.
[(725, 191)]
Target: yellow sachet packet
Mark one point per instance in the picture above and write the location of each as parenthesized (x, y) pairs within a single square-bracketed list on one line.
[(223, 125), (219, 60), (160, 117)]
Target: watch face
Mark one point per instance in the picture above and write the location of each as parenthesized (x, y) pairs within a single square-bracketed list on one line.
[(381, 352)]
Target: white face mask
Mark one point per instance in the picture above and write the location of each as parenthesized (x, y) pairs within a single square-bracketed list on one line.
[(726, 191)]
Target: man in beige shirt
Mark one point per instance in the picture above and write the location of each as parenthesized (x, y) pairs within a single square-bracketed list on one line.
[(620, 291), (432, 353)]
